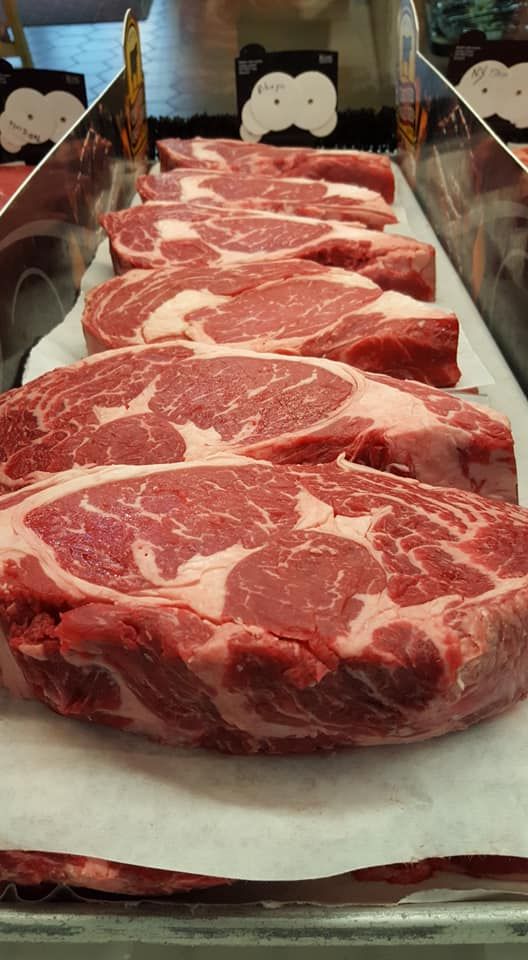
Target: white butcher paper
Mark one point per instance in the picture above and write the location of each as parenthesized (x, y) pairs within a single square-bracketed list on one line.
[(69, 787)]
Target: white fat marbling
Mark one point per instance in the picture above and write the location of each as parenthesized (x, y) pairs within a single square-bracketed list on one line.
[(176, 230), (169, 318)]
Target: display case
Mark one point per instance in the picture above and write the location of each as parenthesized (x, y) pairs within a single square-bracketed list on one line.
[(464, 191)]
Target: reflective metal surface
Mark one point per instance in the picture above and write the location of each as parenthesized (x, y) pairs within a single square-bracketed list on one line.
[(459, 923)]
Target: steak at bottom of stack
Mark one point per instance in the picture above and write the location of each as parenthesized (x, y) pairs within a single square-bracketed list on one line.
[(33, 869), (28, 868)]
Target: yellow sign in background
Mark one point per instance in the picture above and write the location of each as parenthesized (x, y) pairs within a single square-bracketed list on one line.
[(135, 107)]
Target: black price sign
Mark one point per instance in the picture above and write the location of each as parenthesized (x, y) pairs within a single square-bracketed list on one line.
[(37, 107), (287, 96)]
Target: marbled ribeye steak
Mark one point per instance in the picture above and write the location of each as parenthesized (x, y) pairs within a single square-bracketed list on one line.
[(197, 235), (300, 197), (250, 606), (185, 401), (294, 307), (366, 169)]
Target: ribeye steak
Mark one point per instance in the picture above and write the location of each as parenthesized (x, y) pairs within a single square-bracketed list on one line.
[(302, 198), (339, 166), (250, 606), (29, 868), (294, 307), (489, 867), (195, 235), (184, 401)]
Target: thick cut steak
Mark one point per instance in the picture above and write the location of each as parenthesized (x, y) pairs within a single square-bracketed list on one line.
[(303, 198), (29, 869), (371, 170), (488, 867), (185, 401), (195, 235), (250, 606), (294, 307)]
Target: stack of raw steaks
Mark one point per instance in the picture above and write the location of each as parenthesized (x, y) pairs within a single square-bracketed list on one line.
[(253, 519)]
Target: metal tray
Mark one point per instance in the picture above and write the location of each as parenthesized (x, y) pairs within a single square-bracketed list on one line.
[(258, 925)]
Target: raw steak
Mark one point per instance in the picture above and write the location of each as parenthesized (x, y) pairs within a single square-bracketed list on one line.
[(303, 198), (28, 869), (185, 401), (250, 606), (33, 869), (195, 235), (489, 867), (522, 154), (371, 170), (338, 314), (11, 178)]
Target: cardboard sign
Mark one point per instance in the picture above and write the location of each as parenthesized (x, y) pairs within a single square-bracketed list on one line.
[(287, 96), (37, 107), (135, 105), (493, 77), (407, 94)]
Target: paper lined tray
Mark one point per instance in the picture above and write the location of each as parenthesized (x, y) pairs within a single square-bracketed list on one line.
[(99, 793), (104, 794)]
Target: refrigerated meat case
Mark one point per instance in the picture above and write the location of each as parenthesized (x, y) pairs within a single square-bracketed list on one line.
[(474, 193)]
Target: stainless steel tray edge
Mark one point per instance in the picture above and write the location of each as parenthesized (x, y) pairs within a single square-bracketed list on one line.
[(257, 925)]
